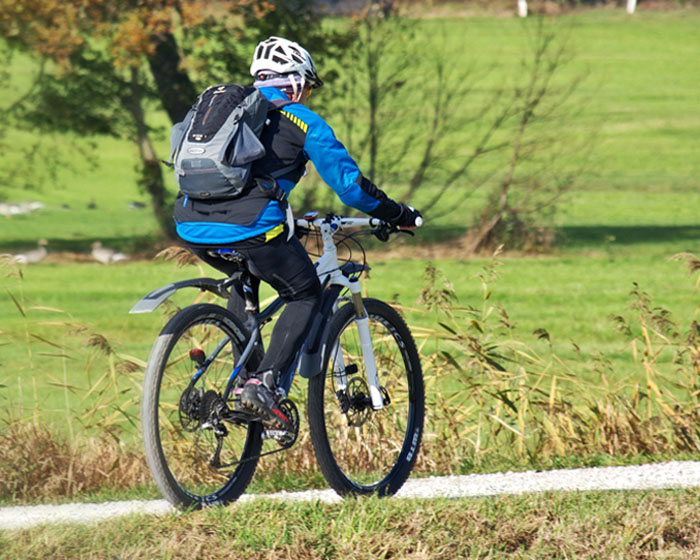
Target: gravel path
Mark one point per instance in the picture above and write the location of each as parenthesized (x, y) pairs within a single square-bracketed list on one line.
[(678, 474)]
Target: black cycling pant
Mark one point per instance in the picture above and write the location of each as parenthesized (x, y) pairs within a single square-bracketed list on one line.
[(286, 266)]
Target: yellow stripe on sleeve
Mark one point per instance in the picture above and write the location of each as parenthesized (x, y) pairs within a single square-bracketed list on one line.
[(297, 121)]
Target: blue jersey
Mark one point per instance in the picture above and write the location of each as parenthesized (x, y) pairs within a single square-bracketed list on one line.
[(293, 136)]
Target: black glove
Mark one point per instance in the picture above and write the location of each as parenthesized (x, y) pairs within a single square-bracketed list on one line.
[(407, 217)]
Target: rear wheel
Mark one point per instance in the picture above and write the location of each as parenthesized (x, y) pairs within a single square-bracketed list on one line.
[(361, 450), (199, 452)]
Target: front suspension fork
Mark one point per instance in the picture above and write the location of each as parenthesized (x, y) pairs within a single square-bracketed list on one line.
[(362, 322)]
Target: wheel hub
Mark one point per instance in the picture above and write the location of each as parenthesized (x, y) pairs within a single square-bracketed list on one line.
[(360, 405)]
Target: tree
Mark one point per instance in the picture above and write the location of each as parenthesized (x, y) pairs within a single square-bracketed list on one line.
[(413, 117), (35, 162), (405, 108), (108, 63), (543, 161), (374, 76)]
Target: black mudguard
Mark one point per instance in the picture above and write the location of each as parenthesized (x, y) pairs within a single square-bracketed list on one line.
[(151, 301)]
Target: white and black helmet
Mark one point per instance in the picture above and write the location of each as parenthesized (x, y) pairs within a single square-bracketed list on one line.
[(281, 56)]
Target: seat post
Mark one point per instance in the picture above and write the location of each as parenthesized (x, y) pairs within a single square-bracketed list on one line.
[(252, 300), (240, 278)]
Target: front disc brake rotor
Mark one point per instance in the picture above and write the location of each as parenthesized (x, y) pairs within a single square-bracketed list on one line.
[(360, 404)]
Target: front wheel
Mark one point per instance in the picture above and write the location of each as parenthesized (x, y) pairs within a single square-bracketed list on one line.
[(361, 450), (198, 452)]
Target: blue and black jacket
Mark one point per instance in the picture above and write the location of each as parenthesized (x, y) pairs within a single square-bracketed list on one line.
[(293, 136)]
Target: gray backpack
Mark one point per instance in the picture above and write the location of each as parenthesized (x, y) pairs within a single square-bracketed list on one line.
[(213, 148)]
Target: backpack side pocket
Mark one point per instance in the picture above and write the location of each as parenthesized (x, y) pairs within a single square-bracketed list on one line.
[(177, 134), (245, 147)]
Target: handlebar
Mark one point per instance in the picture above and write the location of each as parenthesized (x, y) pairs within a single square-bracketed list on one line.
[(311, 219)]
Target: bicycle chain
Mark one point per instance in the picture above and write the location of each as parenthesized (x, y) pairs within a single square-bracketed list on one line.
[(291, 409), (247, 459)]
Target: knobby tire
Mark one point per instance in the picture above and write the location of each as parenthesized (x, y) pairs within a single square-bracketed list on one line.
[(363, 451)]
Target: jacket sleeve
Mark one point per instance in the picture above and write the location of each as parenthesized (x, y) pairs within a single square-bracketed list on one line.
[(341, 173)]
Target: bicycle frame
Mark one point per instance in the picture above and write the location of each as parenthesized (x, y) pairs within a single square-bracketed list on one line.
[(333, 276), (328, 270)]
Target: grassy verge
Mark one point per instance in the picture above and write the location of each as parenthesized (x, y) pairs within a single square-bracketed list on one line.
[(655, 524)]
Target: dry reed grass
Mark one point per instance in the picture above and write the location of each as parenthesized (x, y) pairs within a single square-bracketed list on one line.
[(88, 454), (515, 403), (37, 463)]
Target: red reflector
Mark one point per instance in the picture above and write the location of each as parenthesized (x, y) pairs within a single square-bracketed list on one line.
[(197, 355)]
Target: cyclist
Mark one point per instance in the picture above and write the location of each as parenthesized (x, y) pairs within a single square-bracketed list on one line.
[(254, 225)]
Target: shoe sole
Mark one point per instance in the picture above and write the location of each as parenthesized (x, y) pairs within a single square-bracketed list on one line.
[(271, 417)]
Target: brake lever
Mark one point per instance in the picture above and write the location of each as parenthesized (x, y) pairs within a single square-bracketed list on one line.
[(383, 232), (301, 232)]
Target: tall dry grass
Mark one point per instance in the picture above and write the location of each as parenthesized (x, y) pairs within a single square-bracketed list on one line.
[(492, 400), (89, 451), (508, 401), (39, 463)]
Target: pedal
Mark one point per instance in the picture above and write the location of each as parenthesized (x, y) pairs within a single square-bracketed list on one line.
[(280, 436)]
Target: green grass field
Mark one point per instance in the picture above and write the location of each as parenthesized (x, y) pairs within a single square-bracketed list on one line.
[(574, 305), (640, 99), (635, 207)]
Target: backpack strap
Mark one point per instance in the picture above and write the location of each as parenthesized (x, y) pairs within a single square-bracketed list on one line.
[(276, 104), (274, 191)]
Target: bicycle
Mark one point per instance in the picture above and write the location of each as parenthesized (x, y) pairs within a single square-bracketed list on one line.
[(366, 398)]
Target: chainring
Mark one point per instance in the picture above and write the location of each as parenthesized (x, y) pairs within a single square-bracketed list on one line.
[(286, 438)]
